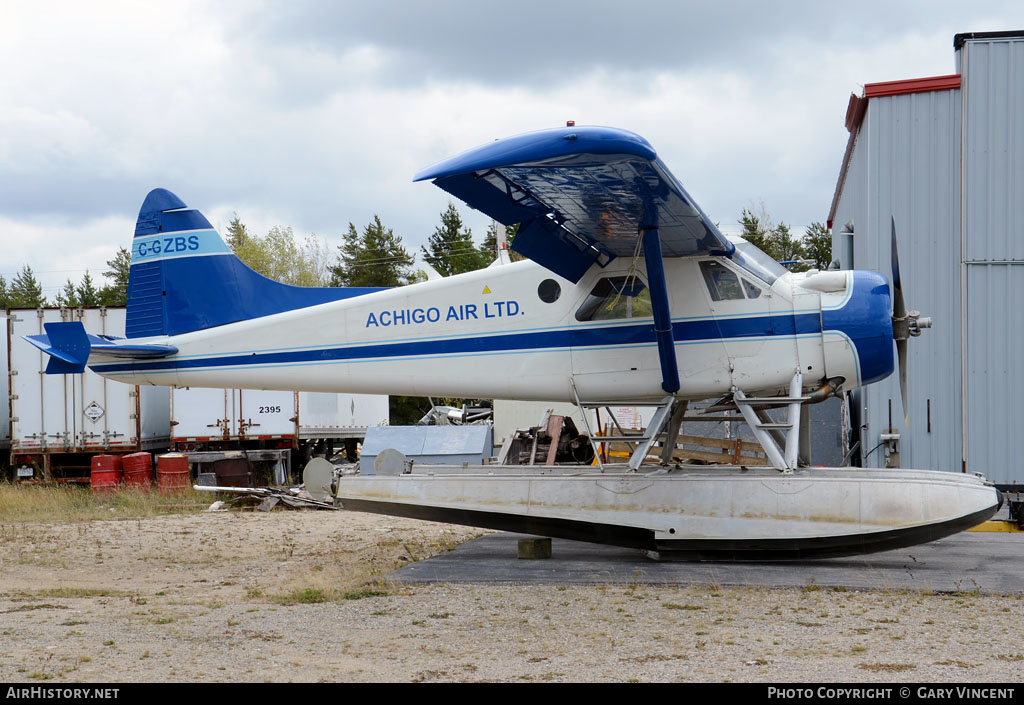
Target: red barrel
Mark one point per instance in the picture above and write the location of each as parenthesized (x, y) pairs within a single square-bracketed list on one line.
[(105, 473), (138, 470), (172, 472)]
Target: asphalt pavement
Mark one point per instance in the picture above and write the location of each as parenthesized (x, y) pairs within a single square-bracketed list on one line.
[(966, 562)]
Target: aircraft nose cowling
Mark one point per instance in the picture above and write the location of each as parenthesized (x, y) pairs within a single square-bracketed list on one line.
[(866, 320)]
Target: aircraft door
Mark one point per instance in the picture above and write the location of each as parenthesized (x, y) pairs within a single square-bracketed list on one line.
[(742, 309), (612, 340)]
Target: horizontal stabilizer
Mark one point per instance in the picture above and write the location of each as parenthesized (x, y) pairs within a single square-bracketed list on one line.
[(101, 346), (69, 347)]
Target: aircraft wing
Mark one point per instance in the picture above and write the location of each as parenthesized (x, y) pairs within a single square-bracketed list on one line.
[(581, 195)]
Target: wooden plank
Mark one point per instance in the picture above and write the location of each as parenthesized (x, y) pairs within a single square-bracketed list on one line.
[(729, 443), (724, 458)]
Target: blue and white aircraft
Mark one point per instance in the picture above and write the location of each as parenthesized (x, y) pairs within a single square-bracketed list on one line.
[(629, 293)]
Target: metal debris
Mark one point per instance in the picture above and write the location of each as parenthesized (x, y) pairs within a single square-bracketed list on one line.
[(266, 498)]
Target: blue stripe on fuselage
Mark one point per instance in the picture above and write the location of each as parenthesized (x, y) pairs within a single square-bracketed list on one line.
[(683, 331)]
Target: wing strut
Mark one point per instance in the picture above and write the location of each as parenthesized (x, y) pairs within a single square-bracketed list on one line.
[(662, 314)]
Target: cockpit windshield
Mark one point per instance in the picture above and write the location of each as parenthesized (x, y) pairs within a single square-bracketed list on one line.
[(756, 262)]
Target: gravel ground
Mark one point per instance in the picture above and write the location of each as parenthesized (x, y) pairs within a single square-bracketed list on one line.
[(303, 596)]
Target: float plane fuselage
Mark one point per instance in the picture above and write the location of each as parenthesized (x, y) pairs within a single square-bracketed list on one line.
[(629, 292)]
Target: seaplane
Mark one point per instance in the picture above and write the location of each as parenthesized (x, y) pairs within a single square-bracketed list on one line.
[(628, 294)]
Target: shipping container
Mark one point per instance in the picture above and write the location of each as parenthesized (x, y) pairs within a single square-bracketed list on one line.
[(57, 421)]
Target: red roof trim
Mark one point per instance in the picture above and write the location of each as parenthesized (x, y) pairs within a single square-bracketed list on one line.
[(912, 85)]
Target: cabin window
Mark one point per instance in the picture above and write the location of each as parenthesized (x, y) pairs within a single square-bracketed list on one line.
[(549, 291), (724, 285), (616, 297)]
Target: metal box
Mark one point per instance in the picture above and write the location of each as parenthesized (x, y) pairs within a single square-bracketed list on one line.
[(430, 445)]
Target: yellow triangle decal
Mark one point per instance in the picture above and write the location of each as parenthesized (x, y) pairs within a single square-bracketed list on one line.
[(487, 289)]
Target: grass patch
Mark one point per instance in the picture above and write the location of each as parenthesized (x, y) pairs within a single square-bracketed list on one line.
[(66, 503), (29, 608), (302, 596), (360, 594), (886, 667), (77, 592)]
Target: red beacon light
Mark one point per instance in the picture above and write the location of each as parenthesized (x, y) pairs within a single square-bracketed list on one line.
[(570, 123)]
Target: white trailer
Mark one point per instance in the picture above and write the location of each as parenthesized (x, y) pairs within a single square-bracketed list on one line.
[(56, 421), (51, 424), (210, 417), (340, 416), (203, 418), (5, 401)]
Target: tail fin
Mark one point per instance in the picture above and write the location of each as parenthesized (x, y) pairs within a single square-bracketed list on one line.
[(184, 277)]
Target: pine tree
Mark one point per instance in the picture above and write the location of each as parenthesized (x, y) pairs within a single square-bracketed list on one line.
[(25, 291), (450, 250), (87, 293), (776, 241), (116, 292), (68, 296), (5, 295), (487, 249), (376, 257), (755, 232), (818, 244), (787, 248), (238, 234)]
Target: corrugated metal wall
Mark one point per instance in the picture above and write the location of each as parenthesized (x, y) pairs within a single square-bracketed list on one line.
[(906, 163), (993, 86)]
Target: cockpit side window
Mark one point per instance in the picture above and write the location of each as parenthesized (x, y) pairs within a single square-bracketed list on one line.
[(724, 285), (616, 297)]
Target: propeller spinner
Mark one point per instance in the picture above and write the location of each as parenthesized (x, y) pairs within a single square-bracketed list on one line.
[(905, 324)]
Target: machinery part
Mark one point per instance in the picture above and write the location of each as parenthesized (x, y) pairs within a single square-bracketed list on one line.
[(318, 477)]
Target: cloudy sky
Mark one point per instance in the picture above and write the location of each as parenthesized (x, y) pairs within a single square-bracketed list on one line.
[(315, 114)]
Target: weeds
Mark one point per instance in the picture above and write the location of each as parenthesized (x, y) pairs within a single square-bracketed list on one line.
[(43, 503), (886, 667), (302, 596)]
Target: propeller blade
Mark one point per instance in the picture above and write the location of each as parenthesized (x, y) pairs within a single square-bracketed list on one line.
[(901, 352), (899, 309)]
